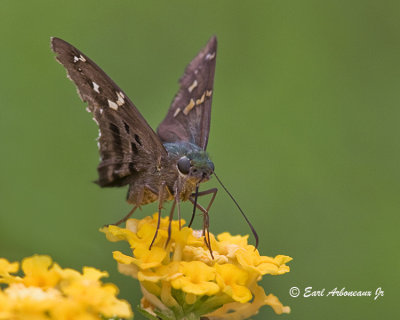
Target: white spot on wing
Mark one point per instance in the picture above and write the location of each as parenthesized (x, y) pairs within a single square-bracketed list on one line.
[(101, 111), (177, 112), (120, 100), (189, 107), (201, 100), (193, 85), (210, 56), (112, 105), (76, 59), (82, 58), (96, 87), (208, 93)]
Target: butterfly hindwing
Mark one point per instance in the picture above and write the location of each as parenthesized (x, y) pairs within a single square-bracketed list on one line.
[(188, 118), (127, 143)]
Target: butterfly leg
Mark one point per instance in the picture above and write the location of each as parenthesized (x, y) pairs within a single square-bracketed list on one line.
[(206, 221), (212, 191), (126, 217), (206, 231), (178, 202), (171, 215), (161, 195)]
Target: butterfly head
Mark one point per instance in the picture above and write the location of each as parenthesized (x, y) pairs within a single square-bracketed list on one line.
[(196, 166), (192, 162)]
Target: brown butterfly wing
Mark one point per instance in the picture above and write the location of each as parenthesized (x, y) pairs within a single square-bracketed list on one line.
[(188, 118), (127, 144)]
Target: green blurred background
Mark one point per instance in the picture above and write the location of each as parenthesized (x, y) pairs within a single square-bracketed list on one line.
[(304, 132)]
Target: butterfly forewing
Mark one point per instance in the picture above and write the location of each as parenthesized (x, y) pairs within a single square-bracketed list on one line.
[(188, 118), (127, 143)]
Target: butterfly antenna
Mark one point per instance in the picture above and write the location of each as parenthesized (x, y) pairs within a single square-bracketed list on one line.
[(240, 209)]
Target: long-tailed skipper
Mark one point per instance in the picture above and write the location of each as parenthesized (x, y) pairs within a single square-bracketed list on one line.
[(167, 165)]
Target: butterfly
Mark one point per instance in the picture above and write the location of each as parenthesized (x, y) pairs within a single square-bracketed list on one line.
[(165, 166)]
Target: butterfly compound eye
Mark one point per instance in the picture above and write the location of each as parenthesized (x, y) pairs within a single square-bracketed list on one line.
[(184, 165)]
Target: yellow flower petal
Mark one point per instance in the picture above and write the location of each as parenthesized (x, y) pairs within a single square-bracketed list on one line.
[(128, 270), (93, 274), (8, 267), (163, 272), (115, 233), (226, 237), (200, 288), (281, 259), (146, 234), (38, 272), (232, 281), (122, 258), (251, 259), (240, 311), (146, 258), (276, 305), (196, 278)]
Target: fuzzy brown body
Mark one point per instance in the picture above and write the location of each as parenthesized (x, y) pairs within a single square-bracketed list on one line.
[(146, 188), (165, 180), (140, 194)]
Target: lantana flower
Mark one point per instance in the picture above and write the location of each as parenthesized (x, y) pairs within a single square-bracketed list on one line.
[(180, 279), (46, 291)]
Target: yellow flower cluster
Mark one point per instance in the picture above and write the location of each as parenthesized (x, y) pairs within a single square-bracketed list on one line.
[(180, 276), (46, 291)]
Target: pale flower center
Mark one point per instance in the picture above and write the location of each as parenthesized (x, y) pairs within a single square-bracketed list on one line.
[(18, 291)]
